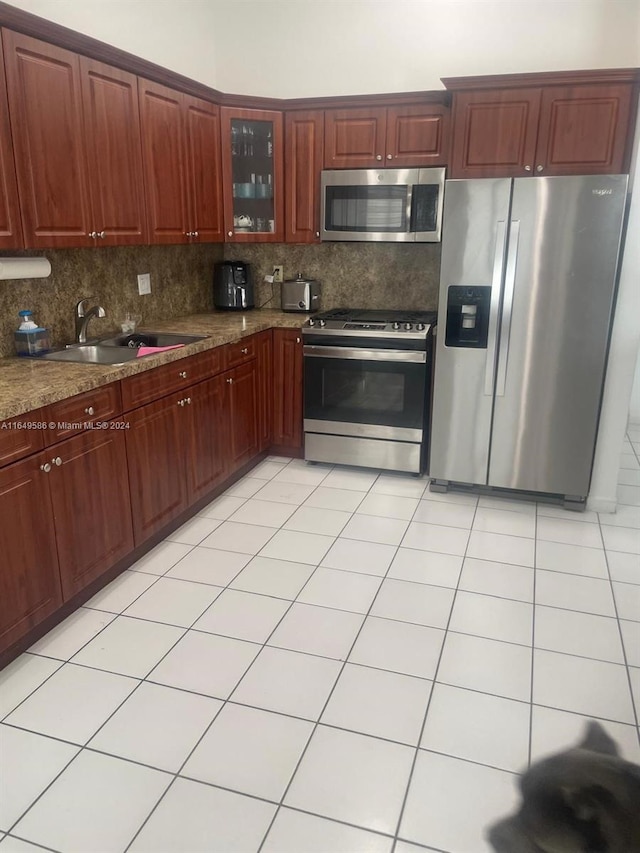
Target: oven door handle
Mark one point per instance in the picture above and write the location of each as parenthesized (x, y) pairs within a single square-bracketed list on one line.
[(359, 354)]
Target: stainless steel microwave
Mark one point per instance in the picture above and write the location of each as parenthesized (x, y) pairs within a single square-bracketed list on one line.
[(393, 205)]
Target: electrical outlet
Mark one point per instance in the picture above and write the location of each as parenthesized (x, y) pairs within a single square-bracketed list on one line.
[(278, 274), (144, 283)]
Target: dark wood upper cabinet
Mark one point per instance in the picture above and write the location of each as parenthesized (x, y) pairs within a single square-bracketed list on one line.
[(202, 129), (303, 157), (112, 130), (10, 224), (417, 136), (354, 138), (494, 133), (45, 104), (252, 175), (565, 123), (164, 162), (181, 157), (584, 129), (395, 136)]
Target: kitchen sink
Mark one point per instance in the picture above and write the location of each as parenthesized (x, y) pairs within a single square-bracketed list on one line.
[(150, 339), (120, 349)]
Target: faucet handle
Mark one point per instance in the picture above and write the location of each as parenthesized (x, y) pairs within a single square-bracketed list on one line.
[(80, 306)]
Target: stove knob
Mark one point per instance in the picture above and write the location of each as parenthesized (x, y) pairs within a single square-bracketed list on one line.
[(396, 326), (408, 326), (322, 323), (420, 327), (312, 322)]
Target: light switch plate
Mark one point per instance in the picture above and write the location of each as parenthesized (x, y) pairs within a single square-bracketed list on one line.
[(144, 284)]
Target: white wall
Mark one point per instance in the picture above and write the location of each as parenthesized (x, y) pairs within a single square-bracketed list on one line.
[(306, 48), (634, 405)]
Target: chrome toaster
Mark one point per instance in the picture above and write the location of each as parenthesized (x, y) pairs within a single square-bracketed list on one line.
[(300, 294)]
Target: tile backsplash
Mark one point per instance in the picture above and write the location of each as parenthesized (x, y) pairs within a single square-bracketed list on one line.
[(368, 275)]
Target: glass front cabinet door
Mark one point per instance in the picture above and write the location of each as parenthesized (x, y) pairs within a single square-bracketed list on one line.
[(252, 156)]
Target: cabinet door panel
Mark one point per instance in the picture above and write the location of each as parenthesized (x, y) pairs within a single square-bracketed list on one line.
[(417, 136), (304, 152), (29, 578), (287, 388), (10, 224), (91, 506), (16, 441), (164, 162), (354, 138), (112, 125), (156, 455), (202, 127), (584, 130), (46, 118), (207, 458), (264, 366), (494, 133), (243, 415)]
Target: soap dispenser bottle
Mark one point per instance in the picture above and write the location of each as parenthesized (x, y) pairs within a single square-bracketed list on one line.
[(31, 339)]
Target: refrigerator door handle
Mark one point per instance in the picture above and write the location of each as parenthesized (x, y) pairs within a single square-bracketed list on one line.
[(507, 306), (494, 308)]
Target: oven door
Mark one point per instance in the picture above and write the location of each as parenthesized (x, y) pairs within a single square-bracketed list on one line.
[(365, 392)]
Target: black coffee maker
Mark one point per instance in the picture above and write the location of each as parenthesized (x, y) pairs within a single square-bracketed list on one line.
[(232, 286)]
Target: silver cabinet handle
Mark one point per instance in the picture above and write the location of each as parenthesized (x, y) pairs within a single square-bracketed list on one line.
[(45, 467), (182, 374), (507, 306), (230, 381), (494, 307), (89, 410), (527, 168), (57, 461), (244, 350), (539, 168), (389, 156), (230, 233), (92, 234), (378, 156)]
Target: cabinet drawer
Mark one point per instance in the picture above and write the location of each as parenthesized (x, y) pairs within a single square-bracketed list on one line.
[(101, 404), (145, 387), (243, 351), (17, 440)]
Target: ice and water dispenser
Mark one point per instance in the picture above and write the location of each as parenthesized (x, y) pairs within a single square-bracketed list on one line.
[(467, 316)]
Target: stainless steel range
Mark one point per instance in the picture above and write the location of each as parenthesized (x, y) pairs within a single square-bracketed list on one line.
[(367, 388)]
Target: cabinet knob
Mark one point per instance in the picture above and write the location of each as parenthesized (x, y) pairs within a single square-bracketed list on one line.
[(89, 410), (92, 234), (45, 467), (230, 233), (230, 381), (57, 461), (389, 156), (101, 235), (195, 233), (244, 350), (527, 168), (188, 401), (297, 340), (317, 233), (182, 374), (378, 156), (539, 168), (181, 402)]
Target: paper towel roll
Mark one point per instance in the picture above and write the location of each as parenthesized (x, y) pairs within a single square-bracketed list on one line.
[(24, 268)]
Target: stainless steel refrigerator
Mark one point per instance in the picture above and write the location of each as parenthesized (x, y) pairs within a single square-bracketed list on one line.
[(527, 285)]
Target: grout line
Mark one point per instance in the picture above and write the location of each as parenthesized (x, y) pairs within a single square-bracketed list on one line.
[(533, 642)]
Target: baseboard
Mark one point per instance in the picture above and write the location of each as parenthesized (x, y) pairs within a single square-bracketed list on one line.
[(596, 504)]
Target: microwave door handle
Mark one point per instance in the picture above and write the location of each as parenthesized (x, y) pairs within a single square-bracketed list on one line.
[(507, 307), (494, 307), (409, 208)]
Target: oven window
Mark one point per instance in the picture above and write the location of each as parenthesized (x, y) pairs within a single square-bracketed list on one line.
[(365, 392), (366, 208)]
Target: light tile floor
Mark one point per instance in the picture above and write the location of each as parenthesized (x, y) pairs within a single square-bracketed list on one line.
[(325, 660)]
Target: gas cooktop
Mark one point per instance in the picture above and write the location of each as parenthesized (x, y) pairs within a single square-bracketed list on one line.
[(346, 320)]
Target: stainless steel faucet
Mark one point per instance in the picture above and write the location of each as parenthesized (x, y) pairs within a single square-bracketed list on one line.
[(82, 317)]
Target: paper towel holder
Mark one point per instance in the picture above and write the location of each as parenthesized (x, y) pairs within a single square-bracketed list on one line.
[(17, 268)]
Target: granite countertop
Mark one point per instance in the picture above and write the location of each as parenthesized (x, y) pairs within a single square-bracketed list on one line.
[(27, 384)]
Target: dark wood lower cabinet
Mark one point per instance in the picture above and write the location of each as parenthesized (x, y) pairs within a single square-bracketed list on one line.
[(264, 367), (91, 506), (242, 413), (207, 462), (287, 390), (29, 578)]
